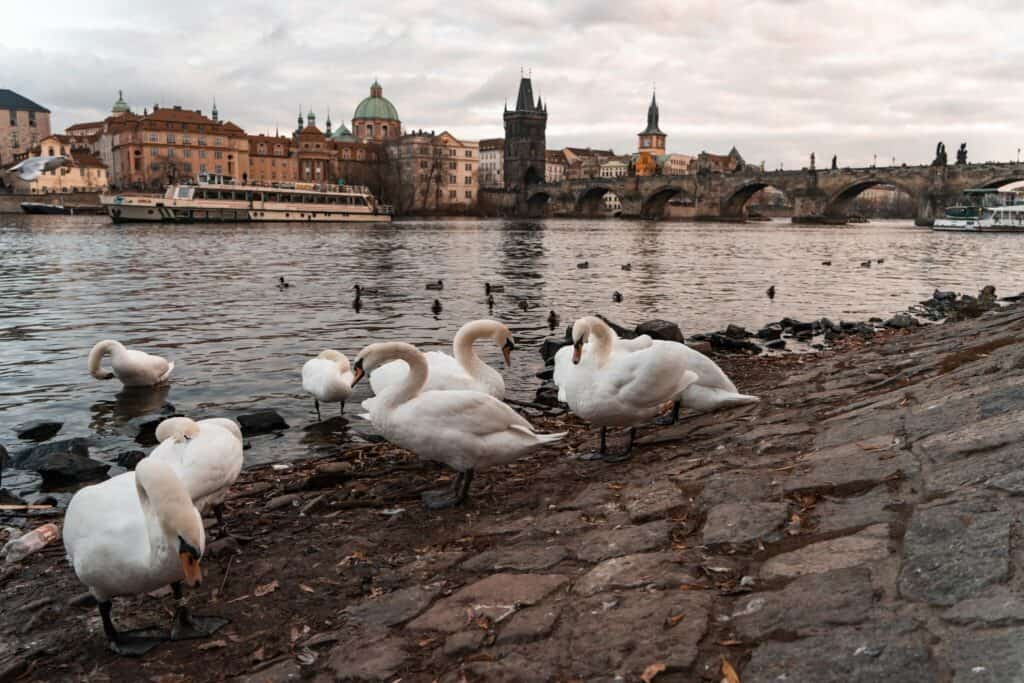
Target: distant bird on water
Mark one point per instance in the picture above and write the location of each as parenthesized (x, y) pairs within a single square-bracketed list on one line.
[(33, 167), (488, 288), (865, 264), (826, 263), (490, 301), (583, 264), (552, 320), (436, 285), (360, 290), (617, 297), (524, 304), (628, 266), (771, 292), (881, 260), (436, 308), (281, 284)]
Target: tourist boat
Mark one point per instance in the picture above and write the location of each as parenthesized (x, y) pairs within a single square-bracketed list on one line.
[(219, 199), (959, 219)]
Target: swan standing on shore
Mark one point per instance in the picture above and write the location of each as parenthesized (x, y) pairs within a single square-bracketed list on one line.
[(466, 430), (133, 368), (206, 457), (614, 387), (462, 370), (713, 389), (329, 378), (133, 534)]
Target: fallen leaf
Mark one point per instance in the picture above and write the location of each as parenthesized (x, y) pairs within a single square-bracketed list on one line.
[(727, 643), (651, 671), (306, 588), (259, 655), (213, 644), (729, 674), (672, 621), (266, 589)]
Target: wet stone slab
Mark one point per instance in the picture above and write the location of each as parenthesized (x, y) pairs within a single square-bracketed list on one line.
[(877, 506), (851, 467), (842, 597), (528, 625), (617, 639), (394, 608), (517, 558), (738, 523), (867, 654), (496, 597), (869, 545), (653, 501), (953, 551), (657, 570), (1000, 607), (596, 546), (368, 657), (987, 657)]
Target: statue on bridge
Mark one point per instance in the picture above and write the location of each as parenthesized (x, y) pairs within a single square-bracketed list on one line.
[(835, 166), (812, 161), (961, 154), (940, 155)]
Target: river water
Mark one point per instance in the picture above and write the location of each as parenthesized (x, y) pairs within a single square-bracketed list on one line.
[(205, 296)]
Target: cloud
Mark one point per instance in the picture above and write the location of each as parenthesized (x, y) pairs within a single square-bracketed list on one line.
[(777, 78)]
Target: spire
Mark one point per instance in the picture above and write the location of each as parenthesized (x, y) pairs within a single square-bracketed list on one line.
[(299, 120), (311, 117), (525, 100), (376, 90), (328, 121), (214, 110), (652, 117)]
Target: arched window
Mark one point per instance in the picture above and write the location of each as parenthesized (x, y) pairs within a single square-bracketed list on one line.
[(369, 130), (51, 151), (359, 155), (346, 153), (384, 130)]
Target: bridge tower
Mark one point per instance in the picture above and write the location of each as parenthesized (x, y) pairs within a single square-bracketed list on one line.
[(651, 139), (525, 139)]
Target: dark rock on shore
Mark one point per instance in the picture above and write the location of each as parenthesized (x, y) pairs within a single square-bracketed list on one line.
[(776, 344), (550, 346), (40, 430), (661, 329), (129, 459), (736, 332), (261, 422), (8, 498), (5, 459), (902, 321), (147, 430), (956, 307), (722, 343), (795, 326), (62, 462), (770, 332)]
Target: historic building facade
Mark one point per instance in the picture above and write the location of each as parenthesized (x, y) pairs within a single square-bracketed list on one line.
[(554, 166), (651, 139), (525, 139), (85, 172), (271, 159), (431, 172), (23, 123), (492, 163)]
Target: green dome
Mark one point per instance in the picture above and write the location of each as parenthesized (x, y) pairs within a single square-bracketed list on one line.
[(343, 134), (120, 106), (376, 106)]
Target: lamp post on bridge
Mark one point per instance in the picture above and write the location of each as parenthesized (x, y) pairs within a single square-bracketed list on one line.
[(874, 161), (1018, 155)]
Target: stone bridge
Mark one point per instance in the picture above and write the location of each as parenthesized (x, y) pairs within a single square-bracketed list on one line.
[(816, 195)]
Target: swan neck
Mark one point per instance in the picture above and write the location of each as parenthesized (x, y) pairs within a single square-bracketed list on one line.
[(416, 379), (603, 339), (103, 348), (156, 535), (462, 346)]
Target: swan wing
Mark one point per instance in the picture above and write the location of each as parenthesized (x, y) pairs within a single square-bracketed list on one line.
[(647, 378), (320, 377), (708, 373), (211, 462), (636, 344)]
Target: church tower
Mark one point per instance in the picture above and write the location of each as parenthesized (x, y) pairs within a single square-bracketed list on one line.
[(651, 139), (525, 141)]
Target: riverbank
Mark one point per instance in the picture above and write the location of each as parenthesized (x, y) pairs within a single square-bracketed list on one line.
[(859, 524)]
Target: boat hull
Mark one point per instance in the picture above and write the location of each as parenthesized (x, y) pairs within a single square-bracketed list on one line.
[(127, 213), (53, 209)]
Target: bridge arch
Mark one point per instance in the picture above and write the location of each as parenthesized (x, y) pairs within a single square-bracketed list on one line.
[(653, 206), (837, 206), (734, 206), (1001, 180), (537, 204), (590, 202)]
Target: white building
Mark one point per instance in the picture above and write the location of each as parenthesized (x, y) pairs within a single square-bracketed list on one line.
[(614, 168), (612, 202), (554, 166), (492, 163)]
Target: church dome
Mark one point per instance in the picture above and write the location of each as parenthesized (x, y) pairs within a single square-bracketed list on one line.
[(120, 106), (343, 134), (376, 106)]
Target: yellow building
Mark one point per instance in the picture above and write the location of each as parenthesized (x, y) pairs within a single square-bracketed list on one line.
[(23, 123)]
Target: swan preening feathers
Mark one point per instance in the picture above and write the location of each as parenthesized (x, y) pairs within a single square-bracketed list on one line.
[(464, 429), (328, 378), (133, 368)]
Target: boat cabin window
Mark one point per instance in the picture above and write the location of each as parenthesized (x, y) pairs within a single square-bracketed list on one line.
[(185, 192)]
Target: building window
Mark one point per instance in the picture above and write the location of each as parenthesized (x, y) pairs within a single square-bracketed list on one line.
[(369, 130), (346, 153), (202, 141), (32, 119), (51, 151), (468, 181), (469, 194), (218, 141), (202, 154), (218, 154), (187, 153), (171, 139), (423, 163), (469, 167), (153, 137), (452, 180), (451, 152), (188, 168), (170, 152), (186, 140), (14, 118), (359, 155), (384, 130), (452, 165), (219, 169), (202, 168), (452, 194)]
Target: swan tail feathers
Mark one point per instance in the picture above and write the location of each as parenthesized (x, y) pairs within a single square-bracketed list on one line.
[(366, 416), (96, 357), (542, 438)]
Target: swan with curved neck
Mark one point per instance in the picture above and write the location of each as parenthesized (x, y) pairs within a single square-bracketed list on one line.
[(133, 368), (206, 456), (462, 370), (464, 429), (328, 377), (133, 534), (617, 384)]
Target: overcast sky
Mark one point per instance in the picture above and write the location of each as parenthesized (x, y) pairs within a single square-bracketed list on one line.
[(777, 78)]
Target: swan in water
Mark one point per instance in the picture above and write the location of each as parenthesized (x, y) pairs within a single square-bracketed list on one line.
[(620, 385), (206, 456), (133, 534), (133, 368), (329, 378), (466, 430)]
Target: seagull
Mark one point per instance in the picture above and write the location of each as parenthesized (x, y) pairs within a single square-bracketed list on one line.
[(33, 167)]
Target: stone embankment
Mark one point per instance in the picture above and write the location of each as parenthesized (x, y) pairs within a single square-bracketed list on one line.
[(862, 523)]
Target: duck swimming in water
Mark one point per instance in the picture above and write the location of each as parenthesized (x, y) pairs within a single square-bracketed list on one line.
[(436, 308), (281, 284), (617, 297), (435, 285), (488, 288)]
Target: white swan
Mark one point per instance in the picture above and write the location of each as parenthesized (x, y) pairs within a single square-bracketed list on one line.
[(206, 456), (466, 430), (620, 388), (713, 389), (464, 371), (133, 368), (328, 378), (133, 534)]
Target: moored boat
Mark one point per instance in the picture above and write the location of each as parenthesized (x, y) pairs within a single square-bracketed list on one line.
[(39, 207), (218, 199)]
